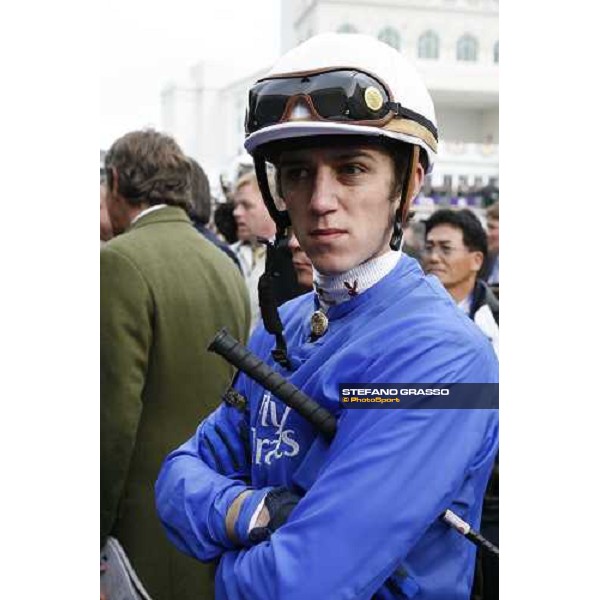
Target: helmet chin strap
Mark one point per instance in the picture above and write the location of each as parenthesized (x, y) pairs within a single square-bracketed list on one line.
[(408, 189), (266, 283)]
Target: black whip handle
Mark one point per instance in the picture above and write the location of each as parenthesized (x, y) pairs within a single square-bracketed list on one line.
[(239, 356)]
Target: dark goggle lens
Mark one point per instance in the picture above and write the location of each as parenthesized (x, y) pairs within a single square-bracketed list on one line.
[(336, 95), (331, 103)]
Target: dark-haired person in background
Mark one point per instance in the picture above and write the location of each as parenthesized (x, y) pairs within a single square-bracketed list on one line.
[(455, 249), (164, 292), (201, 209), (225, 223)]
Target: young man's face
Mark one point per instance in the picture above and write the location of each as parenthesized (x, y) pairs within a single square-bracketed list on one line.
[(447, 257), (338, 199), (251, 215)]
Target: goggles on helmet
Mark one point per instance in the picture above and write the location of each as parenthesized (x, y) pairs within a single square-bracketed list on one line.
[(340, 95)]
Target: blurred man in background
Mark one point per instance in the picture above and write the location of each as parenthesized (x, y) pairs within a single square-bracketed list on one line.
[(165, 292), (455, 249), (253, 221)]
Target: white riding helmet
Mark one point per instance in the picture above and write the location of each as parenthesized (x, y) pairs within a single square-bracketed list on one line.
[(342, 84)]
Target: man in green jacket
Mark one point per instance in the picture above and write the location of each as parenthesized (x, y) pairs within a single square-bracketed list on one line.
[(165, 292)]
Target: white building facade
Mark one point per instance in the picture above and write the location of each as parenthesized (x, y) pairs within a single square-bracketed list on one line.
[(454, 44)]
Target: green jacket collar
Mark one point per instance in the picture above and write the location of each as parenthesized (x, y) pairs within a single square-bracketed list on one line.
[(168, 214)]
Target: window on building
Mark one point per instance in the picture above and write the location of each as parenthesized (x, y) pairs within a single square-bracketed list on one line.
[(466, 48), (429, 45), (347, 28), (496, 53), (390, 36)]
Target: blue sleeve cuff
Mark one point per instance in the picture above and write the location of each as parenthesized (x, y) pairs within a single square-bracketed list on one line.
[(218, 513), (249, 505)]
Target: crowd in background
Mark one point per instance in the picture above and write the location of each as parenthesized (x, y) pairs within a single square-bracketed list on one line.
[(174, 314), (238, 222)]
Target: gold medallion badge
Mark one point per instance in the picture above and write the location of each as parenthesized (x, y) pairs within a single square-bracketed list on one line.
[(318, 324), (373, 98)]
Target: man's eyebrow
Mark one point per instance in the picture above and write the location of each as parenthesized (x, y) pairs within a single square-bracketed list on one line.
[(294, 160), (440, 242), (355, 154), (305, 157)]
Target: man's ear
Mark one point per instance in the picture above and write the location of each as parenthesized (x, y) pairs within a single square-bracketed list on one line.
[(477, 260), (113, 181), (417, 176)]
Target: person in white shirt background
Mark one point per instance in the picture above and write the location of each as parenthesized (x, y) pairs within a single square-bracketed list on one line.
[(456, 247)]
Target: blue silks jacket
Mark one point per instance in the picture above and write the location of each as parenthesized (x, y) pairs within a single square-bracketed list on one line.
[(367, 525)]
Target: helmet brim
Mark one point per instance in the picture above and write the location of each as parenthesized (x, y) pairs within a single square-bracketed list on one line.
[(300, 129)]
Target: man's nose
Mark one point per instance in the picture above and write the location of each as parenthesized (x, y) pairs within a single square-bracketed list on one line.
[(433, 255), (323, 199), (293, 244)]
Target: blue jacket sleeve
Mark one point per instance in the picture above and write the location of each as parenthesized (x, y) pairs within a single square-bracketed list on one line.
[(199, 481), (386, 479)]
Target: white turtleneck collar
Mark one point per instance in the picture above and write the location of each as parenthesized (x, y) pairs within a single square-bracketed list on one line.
[(335, 289)]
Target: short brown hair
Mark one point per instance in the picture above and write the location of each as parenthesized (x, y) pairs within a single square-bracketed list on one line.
[(151, 168), (244, 180), (251, 179), (493, 212)]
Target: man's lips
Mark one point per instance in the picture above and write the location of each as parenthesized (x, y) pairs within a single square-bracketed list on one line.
[(302, 265), (325, 234)]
